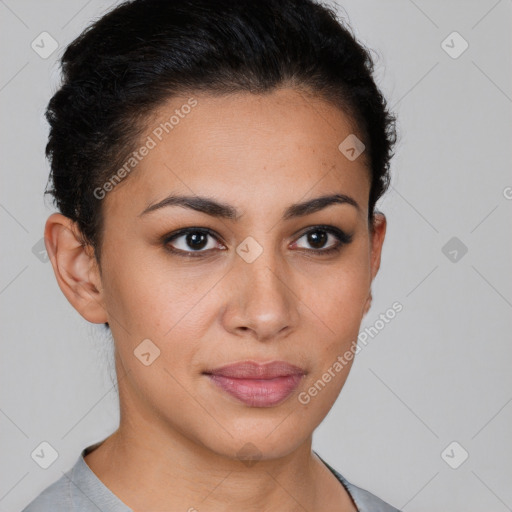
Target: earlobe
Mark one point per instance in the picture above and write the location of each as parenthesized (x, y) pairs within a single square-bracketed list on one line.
[(377, 240), (75, 267), (367, 304), (379, 233)]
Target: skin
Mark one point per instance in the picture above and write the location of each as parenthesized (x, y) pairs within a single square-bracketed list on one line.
[(179, 435)]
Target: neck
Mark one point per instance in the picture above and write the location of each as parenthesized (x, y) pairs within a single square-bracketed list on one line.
[(147, 473)]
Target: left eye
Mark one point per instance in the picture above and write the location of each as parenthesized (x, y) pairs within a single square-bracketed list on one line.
[(319, 236)]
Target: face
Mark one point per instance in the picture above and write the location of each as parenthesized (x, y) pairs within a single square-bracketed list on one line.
[(187, 288)]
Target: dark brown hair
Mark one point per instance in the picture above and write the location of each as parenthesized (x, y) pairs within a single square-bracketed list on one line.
[(141, 53)]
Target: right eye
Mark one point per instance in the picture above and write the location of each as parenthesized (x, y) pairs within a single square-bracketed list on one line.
[(190, 242)]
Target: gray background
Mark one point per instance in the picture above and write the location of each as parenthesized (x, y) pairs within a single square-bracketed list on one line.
[(437, 373)]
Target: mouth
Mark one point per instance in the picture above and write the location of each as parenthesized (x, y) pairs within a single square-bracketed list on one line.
[(257, 385)]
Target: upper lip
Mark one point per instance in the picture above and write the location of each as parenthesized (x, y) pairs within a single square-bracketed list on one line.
[(254, 370)]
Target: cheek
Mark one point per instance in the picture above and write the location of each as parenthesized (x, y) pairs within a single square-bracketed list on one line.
[(174, 312), (155, 322), (150, 298), (337, 298), (337, 304), (339, 307)]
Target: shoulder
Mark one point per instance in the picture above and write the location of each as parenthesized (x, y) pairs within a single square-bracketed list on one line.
[(74, 490), (368, 502), (77, 489), (55, 498), (364, 500)]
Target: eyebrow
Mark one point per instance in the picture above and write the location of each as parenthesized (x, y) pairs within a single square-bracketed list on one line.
[(222, 210)]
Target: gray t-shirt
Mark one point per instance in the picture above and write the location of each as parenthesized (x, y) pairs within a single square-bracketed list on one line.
[(80, 490)]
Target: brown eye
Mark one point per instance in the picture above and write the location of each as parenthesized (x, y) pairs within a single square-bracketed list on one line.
[(319, 236), (189, 241)]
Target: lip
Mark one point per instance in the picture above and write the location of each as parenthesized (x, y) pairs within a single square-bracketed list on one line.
[(255, 384)]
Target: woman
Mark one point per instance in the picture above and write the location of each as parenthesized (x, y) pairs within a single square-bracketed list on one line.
[(216, 166)]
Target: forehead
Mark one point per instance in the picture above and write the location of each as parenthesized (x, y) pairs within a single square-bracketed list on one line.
[(280, 146)]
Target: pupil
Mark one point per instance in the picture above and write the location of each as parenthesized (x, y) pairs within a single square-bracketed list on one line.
[(315, 240), (196, 240)]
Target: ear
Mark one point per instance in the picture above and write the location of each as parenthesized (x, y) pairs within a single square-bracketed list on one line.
[(75, 267), (377, 240)]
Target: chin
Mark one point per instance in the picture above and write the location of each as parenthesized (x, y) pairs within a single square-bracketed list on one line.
[(265, 440)]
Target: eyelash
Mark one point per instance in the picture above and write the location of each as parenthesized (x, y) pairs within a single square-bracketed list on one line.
[(342, 239)]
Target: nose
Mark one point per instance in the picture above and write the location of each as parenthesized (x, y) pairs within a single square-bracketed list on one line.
[(263, 302)]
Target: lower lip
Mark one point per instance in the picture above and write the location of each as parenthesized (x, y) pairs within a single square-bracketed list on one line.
[(258, 392)]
